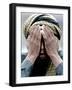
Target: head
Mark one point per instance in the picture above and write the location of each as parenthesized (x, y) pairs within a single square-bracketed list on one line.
[(41, 20)]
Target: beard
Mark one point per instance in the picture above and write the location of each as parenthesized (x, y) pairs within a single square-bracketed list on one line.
[(41, 65)]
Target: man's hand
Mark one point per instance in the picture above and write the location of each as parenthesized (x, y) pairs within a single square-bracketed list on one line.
[(51, 45), (51, 42), (34, 40)]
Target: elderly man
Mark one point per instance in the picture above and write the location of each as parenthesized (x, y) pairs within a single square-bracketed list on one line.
[(43, 34)]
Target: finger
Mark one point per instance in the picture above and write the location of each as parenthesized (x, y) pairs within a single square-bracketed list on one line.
[(45, 31), (35, 32), (32, 28), (32, 33), (43, 34), (48, 32), (38, 34), (28, 38)]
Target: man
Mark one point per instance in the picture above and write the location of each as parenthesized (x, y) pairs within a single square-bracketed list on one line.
[(43, 34)]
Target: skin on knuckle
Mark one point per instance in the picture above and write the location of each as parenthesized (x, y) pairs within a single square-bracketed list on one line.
[(37, 44), (34, 43), (31, 41), (46, 44), (38, 37)]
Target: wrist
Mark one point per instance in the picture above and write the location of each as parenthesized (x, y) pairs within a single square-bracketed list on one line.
[(53, 54), (31, 58), (56, 59)]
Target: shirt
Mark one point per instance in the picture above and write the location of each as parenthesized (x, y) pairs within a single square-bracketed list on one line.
[(26, 68)]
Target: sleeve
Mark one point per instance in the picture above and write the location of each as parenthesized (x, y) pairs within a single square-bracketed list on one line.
[(26, 68), (59, 69)]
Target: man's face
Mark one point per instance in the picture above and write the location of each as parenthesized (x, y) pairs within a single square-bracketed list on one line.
[(41, 25)]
